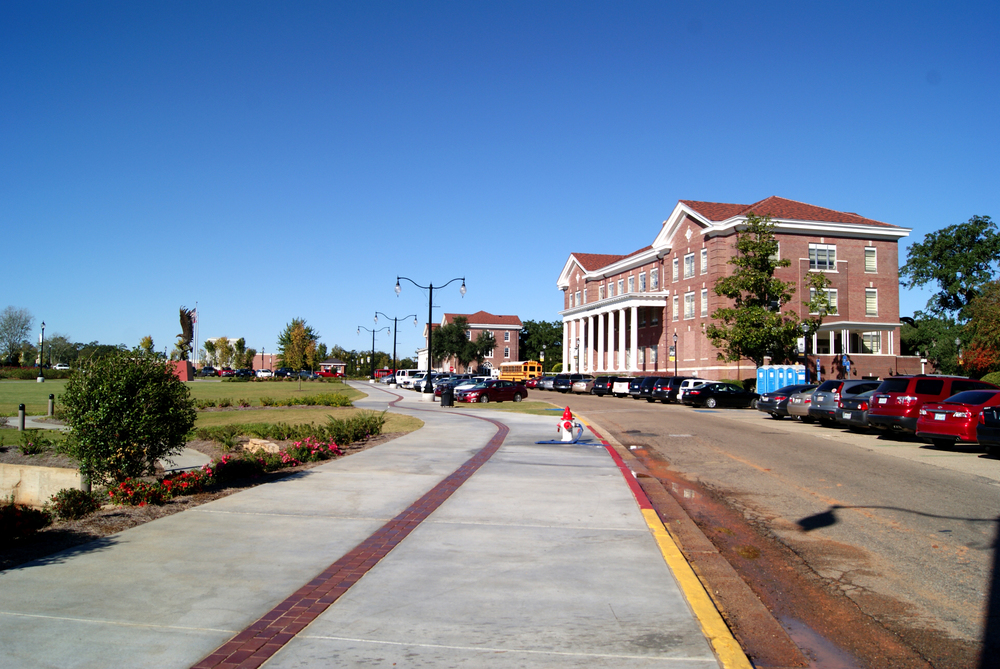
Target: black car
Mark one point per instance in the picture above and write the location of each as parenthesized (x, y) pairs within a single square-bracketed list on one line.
[(988, 430), (284, 371), (207, 371), (647, 386), (634, 386), (660, 388), (853, 411), (564, 382), (714, 395), (776, 403), (602, 385), (667, 392), (244, 374)]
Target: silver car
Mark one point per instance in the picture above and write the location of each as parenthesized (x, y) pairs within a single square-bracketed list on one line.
[(798, 406), (584, 386)]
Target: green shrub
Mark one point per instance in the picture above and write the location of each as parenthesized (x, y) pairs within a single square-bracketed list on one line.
[(20, 520), (127, 411), (992, 377), (225, 402), (341, 431), (186, 483), (243, 402), (73, 503), (33, 442), (205, 404), (735, 382), (136, 492), (31, 373), (267, 402)]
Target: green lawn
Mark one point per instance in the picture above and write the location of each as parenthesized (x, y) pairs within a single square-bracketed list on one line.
[(35, 396), (294, 416), (534, 408)]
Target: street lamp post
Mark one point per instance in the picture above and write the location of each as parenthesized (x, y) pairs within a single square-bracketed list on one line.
[(395, 328), (41, 355), (372, 358), (675, 354), (430, 318)]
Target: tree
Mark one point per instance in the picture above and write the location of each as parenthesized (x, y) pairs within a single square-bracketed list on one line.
[(538, 336), (240, 354), (961, 259), (452, 340), (754, 327), (223, 352), (209, 352), (297, 345), (146, 344), (126, 410), (60, 349), (15, 326), (934, 339), (982, 333)]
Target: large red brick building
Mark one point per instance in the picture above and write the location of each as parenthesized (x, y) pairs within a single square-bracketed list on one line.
[(621, 312), (505, 330)]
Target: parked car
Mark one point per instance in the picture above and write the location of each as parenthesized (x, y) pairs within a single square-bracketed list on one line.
[(493, 390), (546, 383), (448, 384), (646, 388), (283, 372), (686, 385), (956, 419), (620, 387), (244, 373), (853, 411), (584, 385), (714, 395), (264, 373), (208, 370), (61, 367), (798, 405), (776, 403), (827, 396), (897, 402), (227, 371), (306, 375), (564, 382), (532, 382), (988, 430), (666, 389), (602, 385), (336, 375), (634, 386)]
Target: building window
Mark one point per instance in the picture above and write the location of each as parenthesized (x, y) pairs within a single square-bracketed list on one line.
[(489, 353), (871, 342), (676, 305), (468, 335), (776, 256), (631, 284), (611, 288), (600, 292), (578, 302), (677, 264), (506, 352), (654, 316), (584, 295), (642, 317), (688, 305), (572, 301), (689, 266), (642, 282), (652, 354), (831, 296), (871, 302), (506, 335), (621, 286), (871, 264), (823, 257), (642, 356), (654, 279), (704, 261), (704, 302)]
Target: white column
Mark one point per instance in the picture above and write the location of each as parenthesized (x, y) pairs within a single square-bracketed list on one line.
[(572, 346), (565, 344), (635, 339), (611, 341), (590, 343), (601, 365), (621, 339), (582, 357)]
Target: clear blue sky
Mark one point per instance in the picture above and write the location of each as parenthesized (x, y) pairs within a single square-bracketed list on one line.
[(278, 160)]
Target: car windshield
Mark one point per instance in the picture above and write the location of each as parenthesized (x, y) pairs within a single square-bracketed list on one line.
[(973, 397)]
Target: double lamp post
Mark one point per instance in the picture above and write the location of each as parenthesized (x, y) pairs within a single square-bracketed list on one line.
[(395, 328), (372, 359), (428, 387)]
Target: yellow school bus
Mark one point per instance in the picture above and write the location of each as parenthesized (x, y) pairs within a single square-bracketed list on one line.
[(520, 371)]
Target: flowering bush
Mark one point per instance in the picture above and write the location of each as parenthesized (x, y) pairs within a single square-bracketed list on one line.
[(311, 450), (73, 503), (243, 402), (134, 492), (20, 520), (186, 483)]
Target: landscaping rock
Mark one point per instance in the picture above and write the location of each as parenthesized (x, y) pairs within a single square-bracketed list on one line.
[(257, 445)]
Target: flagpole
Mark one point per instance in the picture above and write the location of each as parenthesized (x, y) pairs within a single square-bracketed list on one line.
[(197, 330)]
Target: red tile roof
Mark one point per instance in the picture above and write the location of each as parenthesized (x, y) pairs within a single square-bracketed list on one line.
[(485, 318), (592, 261), (779, 207)]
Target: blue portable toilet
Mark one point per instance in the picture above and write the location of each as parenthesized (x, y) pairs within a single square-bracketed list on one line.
[(762, 380), (772, 379), (800, 374)]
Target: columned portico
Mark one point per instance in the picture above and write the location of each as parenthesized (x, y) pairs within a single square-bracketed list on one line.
[(601, 365), (607, 333), (634, 343), (590, 344)]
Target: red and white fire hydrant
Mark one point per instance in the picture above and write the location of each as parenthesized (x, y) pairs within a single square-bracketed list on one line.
[(566, 426)]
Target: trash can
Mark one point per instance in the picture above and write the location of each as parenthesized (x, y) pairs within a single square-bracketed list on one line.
[(447, 397)]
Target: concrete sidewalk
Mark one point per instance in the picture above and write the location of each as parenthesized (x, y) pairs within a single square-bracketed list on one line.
[(542, 557)]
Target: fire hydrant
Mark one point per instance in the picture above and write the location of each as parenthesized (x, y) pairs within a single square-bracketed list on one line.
[(566, 426)]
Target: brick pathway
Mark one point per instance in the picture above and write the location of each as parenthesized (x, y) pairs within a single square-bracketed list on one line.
[(260, 641)]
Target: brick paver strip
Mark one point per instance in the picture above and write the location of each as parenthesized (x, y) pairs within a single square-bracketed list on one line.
[(260, 641)]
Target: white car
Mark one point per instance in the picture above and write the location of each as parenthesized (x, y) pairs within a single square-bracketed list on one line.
[(688, 384), (620, 387), (61, 367), (264, 373)]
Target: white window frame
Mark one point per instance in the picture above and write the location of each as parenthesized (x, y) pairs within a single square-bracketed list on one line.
[(689, 306), (704, 261), (611, 288), (506, 352), (832, 296), (654, 279), (621, 286), (631, 283), (653, 355), (642, 282), (871, 293), (600, 292), (677, 269), (676, 307), (874, 257), (506, 335), (823, 257), (572, 301), (776, 256), (689, 266), (704, 302), (489, 354), (468, 335), (874, 342), (578, 302)]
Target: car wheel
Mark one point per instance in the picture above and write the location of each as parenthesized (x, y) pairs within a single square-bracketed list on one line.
[(776, 416), (710, 403), (943, 443), (650, 400), (484, 399), (593, 392), (517, 397), (753, 404)]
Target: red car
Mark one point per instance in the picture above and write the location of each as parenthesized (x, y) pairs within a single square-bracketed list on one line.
[(532, 382), (896, 403), (329, 375), (956, 418), (493, 390)]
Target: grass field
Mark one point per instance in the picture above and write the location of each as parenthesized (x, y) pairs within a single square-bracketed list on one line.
[(534, 408), (295, 416), (35, 396)]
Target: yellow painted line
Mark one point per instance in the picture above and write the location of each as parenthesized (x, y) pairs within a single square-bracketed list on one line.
[(727, 649)]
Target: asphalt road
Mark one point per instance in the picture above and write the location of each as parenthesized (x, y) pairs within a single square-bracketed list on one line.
[(904, 529)]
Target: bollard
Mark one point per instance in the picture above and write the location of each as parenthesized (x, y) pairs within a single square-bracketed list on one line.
[(52, 404), (20, 418)]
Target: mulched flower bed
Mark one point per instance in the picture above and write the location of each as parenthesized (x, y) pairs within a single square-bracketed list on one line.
[(66, 535)]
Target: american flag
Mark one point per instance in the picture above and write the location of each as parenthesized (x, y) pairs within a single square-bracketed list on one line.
[(194, 316)]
